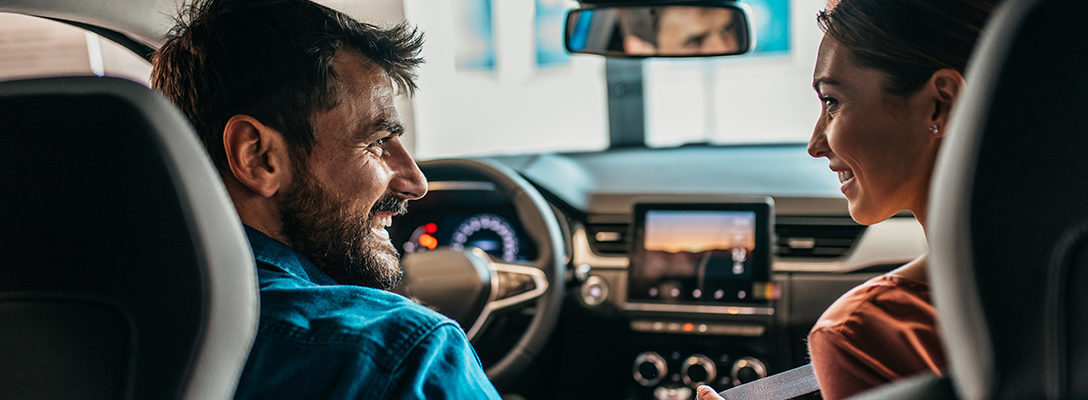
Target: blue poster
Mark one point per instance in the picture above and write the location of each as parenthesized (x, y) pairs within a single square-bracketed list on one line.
[(771, 24), (475, 35), (548, 21)]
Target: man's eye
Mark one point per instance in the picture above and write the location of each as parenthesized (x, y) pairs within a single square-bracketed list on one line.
[(695, 42), (828, 101), (380, 142)]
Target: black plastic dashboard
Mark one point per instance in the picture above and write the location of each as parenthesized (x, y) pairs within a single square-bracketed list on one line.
[(606, 346)]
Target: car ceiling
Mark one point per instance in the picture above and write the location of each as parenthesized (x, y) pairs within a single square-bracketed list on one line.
[(144, 21)]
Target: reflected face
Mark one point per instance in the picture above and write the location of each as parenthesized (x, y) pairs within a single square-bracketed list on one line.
[(356, 179), (696, 30), (878, 144)]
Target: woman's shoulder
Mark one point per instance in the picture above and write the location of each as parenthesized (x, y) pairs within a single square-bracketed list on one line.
[(880, 331), (887, 297)]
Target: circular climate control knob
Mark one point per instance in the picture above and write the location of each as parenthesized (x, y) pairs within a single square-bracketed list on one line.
[(697, 370), (650, 368), (747, 369)]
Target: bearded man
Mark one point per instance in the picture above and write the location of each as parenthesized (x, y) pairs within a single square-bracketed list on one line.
[(294, 103)]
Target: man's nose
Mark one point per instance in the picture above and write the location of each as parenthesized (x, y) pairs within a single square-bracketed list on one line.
[(408, 181)]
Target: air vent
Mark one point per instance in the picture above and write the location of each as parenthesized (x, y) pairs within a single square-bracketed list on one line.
[(815, 237), (609, 239)]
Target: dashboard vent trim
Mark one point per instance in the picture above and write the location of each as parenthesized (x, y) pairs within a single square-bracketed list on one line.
[(609, 238), (815, 237)]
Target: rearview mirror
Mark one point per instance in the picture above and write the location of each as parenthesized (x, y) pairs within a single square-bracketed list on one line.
[(679, 29)]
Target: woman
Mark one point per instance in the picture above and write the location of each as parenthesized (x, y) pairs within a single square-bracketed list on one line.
[(888, 73)]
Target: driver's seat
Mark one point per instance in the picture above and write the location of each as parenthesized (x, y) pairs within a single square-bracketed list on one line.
[(124, 272), (1008, 222)]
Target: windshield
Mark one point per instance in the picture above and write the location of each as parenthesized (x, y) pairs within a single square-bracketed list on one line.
[(761, 97), (498, 81)]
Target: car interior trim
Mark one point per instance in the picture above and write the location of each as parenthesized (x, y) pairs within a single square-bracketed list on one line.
[(894, 241), (460, 185), (583, 255), (700, 309)]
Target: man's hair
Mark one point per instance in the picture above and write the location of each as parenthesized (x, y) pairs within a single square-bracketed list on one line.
[(272, 60), (642, 22)]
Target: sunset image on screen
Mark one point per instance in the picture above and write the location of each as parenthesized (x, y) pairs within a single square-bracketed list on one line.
[(672, 231)]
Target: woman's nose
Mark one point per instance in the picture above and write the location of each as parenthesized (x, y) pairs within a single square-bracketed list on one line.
[(817, 145)]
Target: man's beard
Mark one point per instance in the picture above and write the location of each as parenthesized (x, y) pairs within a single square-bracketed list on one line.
[(324, 229)]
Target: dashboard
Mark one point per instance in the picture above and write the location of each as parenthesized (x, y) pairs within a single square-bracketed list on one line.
[(686, 266)]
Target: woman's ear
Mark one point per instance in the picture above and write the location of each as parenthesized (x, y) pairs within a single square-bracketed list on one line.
[(256, 155), (944, 87)]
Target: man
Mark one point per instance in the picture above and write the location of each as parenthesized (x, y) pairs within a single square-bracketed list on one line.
[(294, 102), (679, 30)]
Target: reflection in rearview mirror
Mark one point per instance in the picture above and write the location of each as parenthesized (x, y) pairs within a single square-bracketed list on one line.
[(669, 31)]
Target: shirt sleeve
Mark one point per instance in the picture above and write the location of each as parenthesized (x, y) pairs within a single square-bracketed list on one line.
[(842, 369), (442, 366)]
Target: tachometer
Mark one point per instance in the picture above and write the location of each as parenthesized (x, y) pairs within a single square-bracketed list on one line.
[(488, 232)]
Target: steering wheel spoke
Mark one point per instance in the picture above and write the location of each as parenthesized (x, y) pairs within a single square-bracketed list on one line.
[(513, 286), (516, 284)]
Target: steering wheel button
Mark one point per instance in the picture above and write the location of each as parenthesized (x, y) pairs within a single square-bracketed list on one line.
[(511, 284)]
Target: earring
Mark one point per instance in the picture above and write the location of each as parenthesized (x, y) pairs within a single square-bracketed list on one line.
[(933, 130)]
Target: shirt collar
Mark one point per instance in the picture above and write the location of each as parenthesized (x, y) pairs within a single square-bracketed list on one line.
[(269, 251)]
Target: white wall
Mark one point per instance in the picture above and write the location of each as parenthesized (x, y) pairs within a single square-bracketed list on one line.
[(515, 108)]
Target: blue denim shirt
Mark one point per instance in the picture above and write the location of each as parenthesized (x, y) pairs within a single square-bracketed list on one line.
[(321, 340)]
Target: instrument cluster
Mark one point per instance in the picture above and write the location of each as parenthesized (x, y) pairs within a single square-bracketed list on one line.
[(493, 232)]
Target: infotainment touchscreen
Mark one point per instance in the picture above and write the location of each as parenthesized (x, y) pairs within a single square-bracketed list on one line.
[(701, 253)]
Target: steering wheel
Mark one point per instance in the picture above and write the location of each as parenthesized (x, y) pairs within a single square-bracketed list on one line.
[(472, 288)]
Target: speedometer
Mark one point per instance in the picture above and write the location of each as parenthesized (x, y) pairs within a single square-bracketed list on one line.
[(488, 232)]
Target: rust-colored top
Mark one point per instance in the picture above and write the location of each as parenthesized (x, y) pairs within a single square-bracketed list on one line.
[(878, 332)]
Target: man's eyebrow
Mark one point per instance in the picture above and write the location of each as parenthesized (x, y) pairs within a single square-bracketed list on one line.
[(394, 127)]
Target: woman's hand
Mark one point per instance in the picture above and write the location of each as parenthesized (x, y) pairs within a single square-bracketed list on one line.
[(705, 392)]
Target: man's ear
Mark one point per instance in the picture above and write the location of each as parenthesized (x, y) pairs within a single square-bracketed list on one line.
[(256, 154), (944, 88)]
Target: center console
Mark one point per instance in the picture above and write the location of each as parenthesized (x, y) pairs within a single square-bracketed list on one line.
[(700, 296)]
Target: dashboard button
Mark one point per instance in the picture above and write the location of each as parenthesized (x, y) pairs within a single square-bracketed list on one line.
[(649, 368), (747, 369), (594, 291), (697, 370)]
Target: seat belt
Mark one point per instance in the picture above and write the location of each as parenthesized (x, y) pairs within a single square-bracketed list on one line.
[(786, 385)]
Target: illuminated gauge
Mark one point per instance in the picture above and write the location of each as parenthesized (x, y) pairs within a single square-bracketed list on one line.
[(422, 239), (488, 232)]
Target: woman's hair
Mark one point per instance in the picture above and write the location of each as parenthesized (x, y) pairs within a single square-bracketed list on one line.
[(908, 40)]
